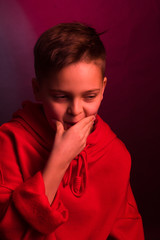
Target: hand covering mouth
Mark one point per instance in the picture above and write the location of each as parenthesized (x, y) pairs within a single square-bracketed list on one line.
[(69, 124)]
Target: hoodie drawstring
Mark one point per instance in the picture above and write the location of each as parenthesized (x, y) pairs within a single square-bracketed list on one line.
[(77, 183)]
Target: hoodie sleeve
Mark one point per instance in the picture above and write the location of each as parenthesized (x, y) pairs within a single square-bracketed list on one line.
[(24, 207), (128, 224)]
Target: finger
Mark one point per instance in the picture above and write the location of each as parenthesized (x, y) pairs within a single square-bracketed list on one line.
[(87, 129), (85, 121), (58, 126)]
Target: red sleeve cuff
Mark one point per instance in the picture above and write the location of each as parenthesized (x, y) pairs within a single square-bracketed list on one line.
[(32, 203)]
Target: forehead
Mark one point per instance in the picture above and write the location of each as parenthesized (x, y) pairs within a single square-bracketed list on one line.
[(78, 75)]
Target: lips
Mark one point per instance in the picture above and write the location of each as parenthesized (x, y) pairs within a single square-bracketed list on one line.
[(69, 124)]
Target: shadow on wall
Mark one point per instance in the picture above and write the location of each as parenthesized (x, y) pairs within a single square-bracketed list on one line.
[(16, 42)]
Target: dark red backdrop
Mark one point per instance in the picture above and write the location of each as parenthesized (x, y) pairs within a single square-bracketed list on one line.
[(131, 102)]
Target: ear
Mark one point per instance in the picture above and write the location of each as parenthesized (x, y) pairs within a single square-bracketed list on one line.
[(104, 85), (36, 89)]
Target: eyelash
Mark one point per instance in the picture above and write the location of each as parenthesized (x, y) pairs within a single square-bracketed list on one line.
[(64, 97), (91, 96), (61, 96)]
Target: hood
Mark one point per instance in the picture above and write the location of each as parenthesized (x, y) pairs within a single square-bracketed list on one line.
[(32, 118)]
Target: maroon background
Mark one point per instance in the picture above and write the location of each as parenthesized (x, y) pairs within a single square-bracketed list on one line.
[(131, 102)]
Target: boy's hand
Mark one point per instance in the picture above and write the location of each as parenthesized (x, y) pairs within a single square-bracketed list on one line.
[(68, 144)]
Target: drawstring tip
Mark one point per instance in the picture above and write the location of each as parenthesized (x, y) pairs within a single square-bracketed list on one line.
[(77, 186)]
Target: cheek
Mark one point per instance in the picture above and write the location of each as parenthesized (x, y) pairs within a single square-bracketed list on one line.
[(53, 111), (92, 109)]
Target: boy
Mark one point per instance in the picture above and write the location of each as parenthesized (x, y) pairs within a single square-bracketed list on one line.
[(64, 173)]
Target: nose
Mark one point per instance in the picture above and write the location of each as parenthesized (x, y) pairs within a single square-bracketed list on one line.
[(75, 107)]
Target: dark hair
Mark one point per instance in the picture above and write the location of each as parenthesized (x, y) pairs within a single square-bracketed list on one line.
[(64, 44)]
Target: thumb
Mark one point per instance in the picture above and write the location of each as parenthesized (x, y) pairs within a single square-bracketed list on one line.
[(58, 126)]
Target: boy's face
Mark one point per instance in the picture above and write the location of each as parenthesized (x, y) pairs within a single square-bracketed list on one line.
[(75, 93)]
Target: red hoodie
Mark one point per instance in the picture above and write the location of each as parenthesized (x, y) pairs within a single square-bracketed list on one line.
[(94, 200)]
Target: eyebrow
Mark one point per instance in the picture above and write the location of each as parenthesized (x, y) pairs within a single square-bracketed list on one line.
[(67, 92)]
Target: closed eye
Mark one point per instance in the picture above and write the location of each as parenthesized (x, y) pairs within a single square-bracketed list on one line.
[(60, 97), (90, 97)]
